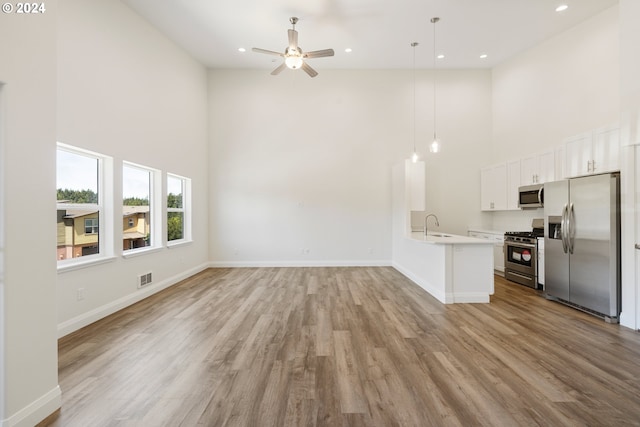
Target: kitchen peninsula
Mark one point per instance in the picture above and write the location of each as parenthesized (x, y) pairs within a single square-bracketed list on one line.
[(452, 268)]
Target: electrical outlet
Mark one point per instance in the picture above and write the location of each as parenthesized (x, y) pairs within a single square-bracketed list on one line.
[(80, 294)]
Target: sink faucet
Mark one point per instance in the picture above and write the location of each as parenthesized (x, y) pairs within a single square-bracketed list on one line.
[(425, 222)]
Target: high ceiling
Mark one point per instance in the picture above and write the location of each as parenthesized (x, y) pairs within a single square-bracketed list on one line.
[(379, 32)]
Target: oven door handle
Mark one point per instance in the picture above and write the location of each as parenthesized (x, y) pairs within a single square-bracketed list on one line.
[(563, 227), (521, 245)]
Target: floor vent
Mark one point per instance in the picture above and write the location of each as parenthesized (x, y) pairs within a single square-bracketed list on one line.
[(144, 280)]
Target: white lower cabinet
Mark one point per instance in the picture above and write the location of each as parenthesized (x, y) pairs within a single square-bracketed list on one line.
[(498, 246), (541, 262)]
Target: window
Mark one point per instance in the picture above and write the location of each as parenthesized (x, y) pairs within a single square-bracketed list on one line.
[(178, 209), (80, 201), (138, 212), (91, 226)]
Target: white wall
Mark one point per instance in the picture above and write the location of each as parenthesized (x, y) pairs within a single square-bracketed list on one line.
[(567, 85), (128, 92), (300, 163), (28, 346)]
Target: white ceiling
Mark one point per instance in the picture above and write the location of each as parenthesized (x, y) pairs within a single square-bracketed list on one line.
[(380, 32)]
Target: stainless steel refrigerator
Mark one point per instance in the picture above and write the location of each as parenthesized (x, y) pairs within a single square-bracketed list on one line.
[(582, 243)]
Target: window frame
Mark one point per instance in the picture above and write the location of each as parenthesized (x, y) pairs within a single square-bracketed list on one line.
[(104, 208), (155, 211), (185, 210)]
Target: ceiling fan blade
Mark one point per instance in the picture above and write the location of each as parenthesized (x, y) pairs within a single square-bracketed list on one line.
[(279, 69), (293, 39), (307, 69), (268, 52), (319, 53)]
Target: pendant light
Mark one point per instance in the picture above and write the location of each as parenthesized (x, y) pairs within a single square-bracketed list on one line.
[(435, 145), (414, 157)]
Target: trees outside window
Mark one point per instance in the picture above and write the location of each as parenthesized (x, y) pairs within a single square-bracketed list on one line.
[(178, 221)]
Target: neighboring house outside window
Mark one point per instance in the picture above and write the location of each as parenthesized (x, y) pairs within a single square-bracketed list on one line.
[(80, 203), (136, 227), (139, 209)]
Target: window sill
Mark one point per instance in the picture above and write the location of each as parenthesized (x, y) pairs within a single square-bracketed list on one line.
[(79, 265), (177, 243), (132, 253)]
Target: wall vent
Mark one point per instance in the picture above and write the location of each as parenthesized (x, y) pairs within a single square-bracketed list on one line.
[(144, 280)]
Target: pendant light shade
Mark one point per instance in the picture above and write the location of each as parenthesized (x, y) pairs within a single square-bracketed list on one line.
[(435, 145)]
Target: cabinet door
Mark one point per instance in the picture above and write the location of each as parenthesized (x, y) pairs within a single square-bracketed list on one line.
[(547, 167), (528, 170), (559, 164), (493, 188), (486, 189), (500, 187), (606, 150), (416, 185), (578, 155), (513, 182)]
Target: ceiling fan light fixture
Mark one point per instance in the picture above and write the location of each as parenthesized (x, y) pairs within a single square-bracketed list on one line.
[(293, 62)]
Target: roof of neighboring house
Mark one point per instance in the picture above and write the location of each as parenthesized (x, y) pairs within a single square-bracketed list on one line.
[(133, 235), (75, 213), (132, 210)]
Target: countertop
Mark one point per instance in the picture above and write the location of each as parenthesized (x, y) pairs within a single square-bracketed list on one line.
[(447, 239)]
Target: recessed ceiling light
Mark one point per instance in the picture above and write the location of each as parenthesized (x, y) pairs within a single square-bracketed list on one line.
[(483, 56), (441, 56), (562, 7), (241, 49), (348, 50)]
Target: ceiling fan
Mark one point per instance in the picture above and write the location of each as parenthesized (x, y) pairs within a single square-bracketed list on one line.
[(294, 57)]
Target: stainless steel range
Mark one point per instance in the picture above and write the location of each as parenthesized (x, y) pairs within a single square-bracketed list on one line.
[(521, 255)]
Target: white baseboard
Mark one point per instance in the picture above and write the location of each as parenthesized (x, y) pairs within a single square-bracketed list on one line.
[(36, 411), (319, 263), (96, 314), (437, 294), (471, 297)]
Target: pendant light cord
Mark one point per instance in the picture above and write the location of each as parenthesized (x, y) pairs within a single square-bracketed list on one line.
[(413, 45), (434, 20)]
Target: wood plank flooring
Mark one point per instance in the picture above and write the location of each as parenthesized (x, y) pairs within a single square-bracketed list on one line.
[(352, 346)]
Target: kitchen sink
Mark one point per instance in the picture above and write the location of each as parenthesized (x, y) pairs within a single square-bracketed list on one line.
[(438, 235)]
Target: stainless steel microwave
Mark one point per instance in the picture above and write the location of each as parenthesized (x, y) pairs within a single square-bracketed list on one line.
[(531, 196)]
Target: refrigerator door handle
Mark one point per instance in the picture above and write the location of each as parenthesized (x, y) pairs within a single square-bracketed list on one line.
[(571, 231), (563, 229)]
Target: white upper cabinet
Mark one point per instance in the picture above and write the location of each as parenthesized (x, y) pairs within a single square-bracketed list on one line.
[(547, 166), (593, 152), (513, 183), (606, 150), (538, 168), (493, 188), (559, 163), (416, 184), (577, 151)]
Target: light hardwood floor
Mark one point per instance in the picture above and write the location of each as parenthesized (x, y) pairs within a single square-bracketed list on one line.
[(353, 346)]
